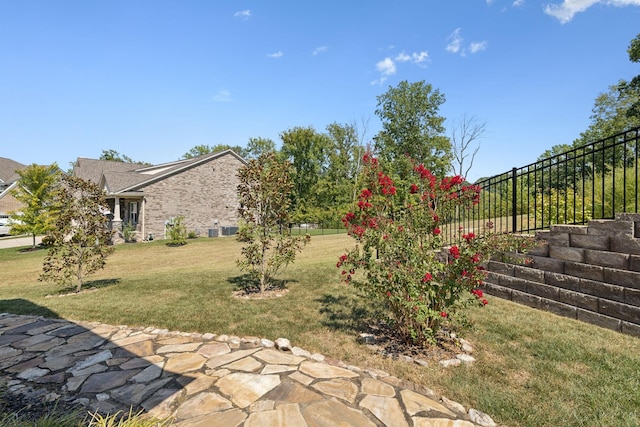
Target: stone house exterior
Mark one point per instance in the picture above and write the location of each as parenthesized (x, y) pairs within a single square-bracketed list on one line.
[(148, 197), (8, 181)]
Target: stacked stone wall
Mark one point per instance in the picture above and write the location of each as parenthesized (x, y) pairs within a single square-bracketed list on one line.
[(586, 272)]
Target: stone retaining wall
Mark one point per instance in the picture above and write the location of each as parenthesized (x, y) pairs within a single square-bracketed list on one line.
[(585, 272)]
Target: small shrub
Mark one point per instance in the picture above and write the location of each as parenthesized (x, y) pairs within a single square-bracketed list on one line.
[(192, 235), (177, 232), (128, 232)]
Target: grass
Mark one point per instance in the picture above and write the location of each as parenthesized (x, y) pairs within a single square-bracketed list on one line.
[(533, 368)]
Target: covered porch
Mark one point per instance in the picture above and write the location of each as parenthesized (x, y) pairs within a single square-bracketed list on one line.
[(127, 215)]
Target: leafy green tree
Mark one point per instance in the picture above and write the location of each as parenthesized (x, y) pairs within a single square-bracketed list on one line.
[(334, 189), (114, 156), (264, 193), (412, 129), (609, 115), (259, 146), (80, 235), (307, 151), (200, 150), (35, 190), (632, 88)]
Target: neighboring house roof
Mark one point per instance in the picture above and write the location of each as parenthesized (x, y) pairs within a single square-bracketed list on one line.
[(118, 177), (8, 170)]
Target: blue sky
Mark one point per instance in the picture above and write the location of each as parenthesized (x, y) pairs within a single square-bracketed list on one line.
[(151, 79)]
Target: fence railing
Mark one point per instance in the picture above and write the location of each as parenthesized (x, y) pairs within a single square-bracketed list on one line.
[(594, 181)]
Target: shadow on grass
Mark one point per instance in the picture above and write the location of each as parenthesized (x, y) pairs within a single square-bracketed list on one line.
[(345, 313), (25, 307), (89, 286), (249, 285)]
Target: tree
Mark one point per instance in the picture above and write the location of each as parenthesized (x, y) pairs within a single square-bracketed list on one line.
[(35, 190), (412, 129), (465, 142), (259, 146), (335, 186), (307, 152), (114, 156), (201, 150), (80, 234), (264, 193), (632, 88)]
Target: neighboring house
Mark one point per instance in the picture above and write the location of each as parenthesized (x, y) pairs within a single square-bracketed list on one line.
[(8, 181), (202, 189)]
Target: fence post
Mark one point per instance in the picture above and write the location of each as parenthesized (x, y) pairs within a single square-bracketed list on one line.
[(514, 201)]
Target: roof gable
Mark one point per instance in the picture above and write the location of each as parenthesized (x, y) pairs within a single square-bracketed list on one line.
[(8, 170), (119, 177)]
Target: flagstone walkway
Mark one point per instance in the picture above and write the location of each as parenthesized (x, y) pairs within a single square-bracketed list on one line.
[(207, 379)]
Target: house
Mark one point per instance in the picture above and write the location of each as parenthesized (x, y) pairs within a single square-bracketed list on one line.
[(202, 189), (8, 181)]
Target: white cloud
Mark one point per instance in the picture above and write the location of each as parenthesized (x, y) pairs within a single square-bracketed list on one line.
[(275, 55), (387, 67), (518, 3), (565, 11), (243, 14), (455, 44), (478, 46), (223, 96), (319, 50)]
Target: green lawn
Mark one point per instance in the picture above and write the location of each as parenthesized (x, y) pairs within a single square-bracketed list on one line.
[(533, 368)]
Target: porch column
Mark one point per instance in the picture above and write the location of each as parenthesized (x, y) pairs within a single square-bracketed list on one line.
[(142, 208), (116, 222)]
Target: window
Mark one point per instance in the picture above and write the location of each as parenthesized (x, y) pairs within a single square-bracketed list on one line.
[(133, 212)]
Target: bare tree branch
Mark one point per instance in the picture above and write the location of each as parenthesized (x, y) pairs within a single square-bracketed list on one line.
[(465, 143)]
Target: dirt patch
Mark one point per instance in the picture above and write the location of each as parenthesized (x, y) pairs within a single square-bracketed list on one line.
[(386, 341), (254, 293)]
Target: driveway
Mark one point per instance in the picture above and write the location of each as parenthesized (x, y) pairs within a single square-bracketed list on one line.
[(16, 242)]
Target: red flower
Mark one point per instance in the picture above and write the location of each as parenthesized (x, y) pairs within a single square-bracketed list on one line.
[(475, 258), (427, 278), (414, 189), (389, 294), (358, 231), (477, 292), (485, 302), (455, 252), (469, 237), (366, 193), (436, 231), (443, 314)]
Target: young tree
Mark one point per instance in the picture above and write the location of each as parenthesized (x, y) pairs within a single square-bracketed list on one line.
[(264, 193), (80, 234), (465, 143), (412, 129), (35, 190)]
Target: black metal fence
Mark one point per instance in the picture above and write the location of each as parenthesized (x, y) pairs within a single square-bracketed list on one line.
[(594, 181)]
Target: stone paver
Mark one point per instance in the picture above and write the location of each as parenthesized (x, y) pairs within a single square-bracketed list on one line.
[(209, 380)]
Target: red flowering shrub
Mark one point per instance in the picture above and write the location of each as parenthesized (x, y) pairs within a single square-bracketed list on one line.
[(400, 252)]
